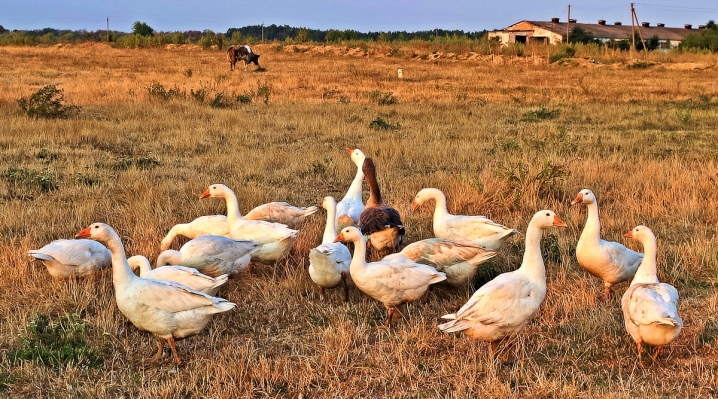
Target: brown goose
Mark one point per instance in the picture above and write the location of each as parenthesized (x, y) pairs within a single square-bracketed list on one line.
[(380, 223)]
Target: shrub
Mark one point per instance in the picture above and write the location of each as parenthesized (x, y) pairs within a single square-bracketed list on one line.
[(264, 89), (47, 103), (381, 124), (44, 180), (382, 98), (56, 344), (540, 114)]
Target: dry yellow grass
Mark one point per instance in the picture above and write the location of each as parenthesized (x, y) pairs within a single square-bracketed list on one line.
[(643, 140)]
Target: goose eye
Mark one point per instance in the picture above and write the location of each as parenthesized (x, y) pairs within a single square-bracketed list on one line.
[(548, 214)]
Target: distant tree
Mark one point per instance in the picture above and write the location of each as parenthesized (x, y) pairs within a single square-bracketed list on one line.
[(2, 29), (302, 35), (142, 29), (706, 40), (580, 35)]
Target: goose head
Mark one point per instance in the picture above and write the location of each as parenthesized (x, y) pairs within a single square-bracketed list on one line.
[(424, 195), (98, 232), (215, 191), (329, 202), (348, 234), (584, 196), (641, 234), (356, 155), (547, 218)]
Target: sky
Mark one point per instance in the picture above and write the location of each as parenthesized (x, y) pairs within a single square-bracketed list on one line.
[(359, 15)]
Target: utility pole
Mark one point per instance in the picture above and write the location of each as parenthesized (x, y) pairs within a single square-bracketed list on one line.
[(107, 35), (633, 32), (568, 22)]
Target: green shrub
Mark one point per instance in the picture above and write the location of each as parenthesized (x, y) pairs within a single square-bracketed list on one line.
[(48, 103), (44, 180), (264, 89), (55, 344), (381, 124)]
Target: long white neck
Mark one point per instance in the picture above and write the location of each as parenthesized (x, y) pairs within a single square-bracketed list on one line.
[(354, 190), (358, 263), (592, 229), (121, 272), (440, 209), (532, 264), (233, 214), (169, 257), (330, 230), (648, 270)]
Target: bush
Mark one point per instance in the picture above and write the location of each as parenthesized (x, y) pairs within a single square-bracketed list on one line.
[(382, 98), (381, 124), (45, 180), (48, 103)]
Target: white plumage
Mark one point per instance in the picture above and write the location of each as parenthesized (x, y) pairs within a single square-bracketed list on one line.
[(329, 262), (480, 230), (212, 255), (73, 258), (188, 276)]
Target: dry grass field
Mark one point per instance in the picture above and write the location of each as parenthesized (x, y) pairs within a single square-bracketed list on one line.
[(502, 137)]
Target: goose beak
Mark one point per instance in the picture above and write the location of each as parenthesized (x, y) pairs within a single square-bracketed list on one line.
[(205, 194), (84, 233), (349, 150), (414, 206), (578, 199), (629, 234), (557, 222), (339, 238)]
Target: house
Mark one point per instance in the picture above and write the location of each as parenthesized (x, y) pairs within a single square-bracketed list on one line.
[(554, 32)]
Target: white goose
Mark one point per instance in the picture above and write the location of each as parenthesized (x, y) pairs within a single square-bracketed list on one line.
[(211, 225), (503, 306), (216, 225), (459, 259), (179, 274), (329, 262), (276, 238), (66, 259), (212, 255), (480, 230), (168, 310), (281, 212), (352, 203), (650, 310), (610, 261), (391, 281)]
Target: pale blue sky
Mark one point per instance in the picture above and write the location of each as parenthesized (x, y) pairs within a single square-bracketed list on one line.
[(360, 15)]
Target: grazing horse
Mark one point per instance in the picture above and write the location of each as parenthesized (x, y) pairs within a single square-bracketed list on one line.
[(244, 53)]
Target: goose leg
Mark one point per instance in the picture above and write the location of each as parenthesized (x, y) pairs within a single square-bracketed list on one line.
[(606, 293), (658, 350), (322, 293), (346, 287), (493, 347), (158, 356), (639, 346), (171, 342)]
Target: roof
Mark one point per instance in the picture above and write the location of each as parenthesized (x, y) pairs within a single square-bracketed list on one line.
[(616, 32)]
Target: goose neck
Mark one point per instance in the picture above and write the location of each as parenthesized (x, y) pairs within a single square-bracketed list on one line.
[(122, 274), (374, 199), (648, 270), (358, 263), (330, 230), (533, 261), (233, 214), (355, 187), (169, 257), (592, 229)]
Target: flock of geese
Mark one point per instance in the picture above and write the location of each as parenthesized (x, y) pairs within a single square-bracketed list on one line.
[(177, 298)]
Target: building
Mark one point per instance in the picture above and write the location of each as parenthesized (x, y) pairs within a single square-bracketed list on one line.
[(554, 32)]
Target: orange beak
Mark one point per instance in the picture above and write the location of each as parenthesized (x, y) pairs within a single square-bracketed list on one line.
[(205, 194), (340, 238), (557, 222), (84, 233), (349, 150), (629, 234), (579, 198), (414, 206)]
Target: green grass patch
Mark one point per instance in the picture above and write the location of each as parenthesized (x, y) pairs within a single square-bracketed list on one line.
[(56, 344)]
